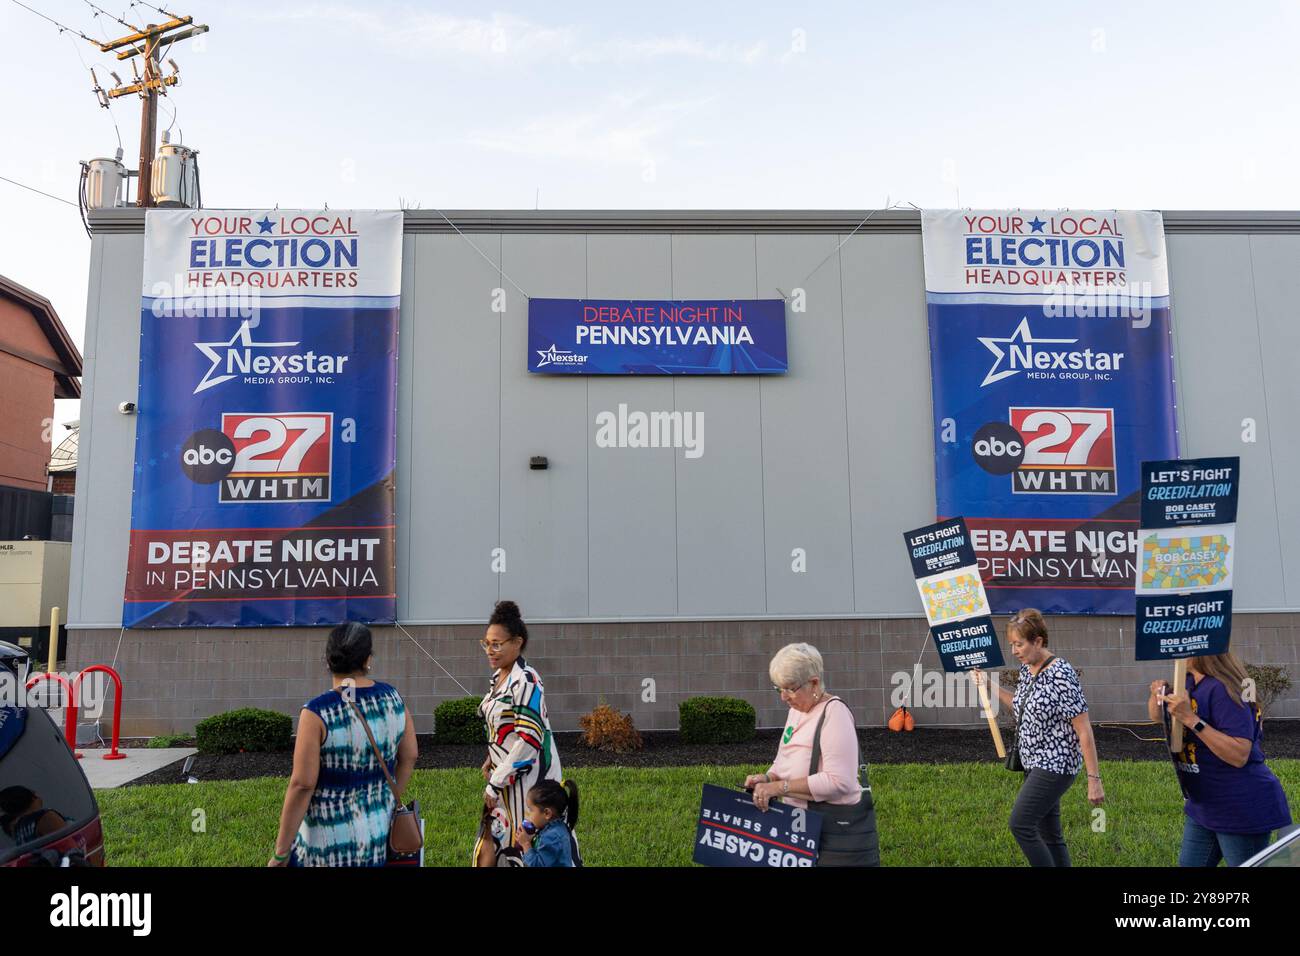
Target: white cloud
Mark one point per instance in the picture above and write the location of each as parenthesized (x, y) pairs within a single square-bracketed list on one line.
[(622, 129), (505, 35)]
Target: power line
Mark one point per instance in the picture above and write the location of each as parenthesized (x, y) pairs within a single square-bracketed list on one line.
[(62, 28), (166, 13), (99, 10), (40, 191)]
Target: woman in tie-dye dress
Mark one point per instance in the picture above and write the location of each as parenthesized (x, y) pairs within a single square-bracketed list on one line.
[(339, 806), (521, 750)]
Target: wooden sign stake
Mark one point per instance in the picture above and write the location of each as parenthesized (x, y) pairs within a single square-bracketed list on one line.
[(1176, 726), (994, 729)]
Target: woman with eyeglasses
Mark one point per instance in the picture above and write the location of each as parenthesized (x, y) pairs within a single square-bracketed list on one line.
[(521, 750), (1053, 738), (817, 762)]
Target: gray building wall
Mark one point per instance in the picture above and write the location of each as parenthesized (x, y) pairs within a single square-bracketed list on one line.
[(641, 563)]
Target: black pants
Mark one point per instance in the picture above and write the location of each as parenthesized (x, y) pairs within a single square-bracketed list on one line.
[(1036, 818)]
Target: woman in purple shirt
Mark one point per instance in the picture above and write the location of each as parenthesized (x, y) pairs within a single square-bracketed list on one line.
[(1233, 802)]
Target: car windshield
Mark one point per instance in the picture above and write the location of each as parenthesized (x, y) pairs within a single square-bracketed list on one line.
[(42, 790), (1283, 853)]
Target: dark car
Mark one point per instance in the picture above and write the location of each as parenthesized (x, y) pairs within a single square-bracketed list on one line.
[(48, 813)]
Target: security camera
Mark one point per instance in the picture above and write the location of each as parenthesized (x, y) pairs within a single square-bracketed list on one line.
[(126, 408)]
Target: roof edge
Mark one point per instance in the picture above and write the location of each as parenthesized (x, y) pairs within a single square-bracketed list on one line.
[(67, 383), (130, 220)]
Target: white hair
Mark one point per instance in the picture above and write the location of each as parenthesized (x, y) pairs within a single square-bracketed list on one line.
[(795, 665)]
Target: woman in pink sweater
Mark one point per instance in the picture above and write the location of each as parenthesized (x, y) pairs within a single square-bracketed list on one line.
[(817, 762)]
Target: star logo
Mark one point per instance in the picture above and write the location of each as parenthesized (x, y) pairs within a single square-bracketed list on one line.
[(265, 224), (242, 337), (1036, 224), (554, 356), (1021, 336), (548, 356)]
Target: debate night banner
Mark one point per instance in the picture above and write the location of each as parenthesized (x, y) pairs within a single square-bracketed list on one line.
[(653, 337), (267, 419), (1052, 379), (1187, 541)]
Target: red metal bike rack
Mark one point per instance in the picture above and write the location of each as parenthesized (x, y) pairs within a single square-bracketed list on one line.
[(69, 711), (117, 704)]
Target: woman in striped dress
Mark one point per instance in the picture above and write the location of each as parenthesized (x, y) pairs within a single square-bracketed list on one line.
[(339, 806), (521, 751)]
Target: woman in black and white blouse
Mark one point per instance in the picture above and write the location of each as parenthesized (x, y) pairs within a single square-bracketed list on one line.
[(1054, 738)]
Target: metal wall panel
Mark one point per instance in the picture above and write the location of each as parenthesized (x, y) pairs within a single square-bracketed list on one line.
[(1217, 353), (543, 513), (452, 524), (891, 448), (1275, 266), (632, 501), (720, 540), (805, 431), (101, 524)]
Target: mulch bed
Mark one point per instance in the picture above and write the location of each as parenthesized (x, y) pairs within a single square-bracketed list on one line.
[(663, 749)]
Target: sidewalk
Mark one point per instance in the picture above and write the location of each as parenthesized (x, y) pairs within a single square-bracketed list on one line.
[(105, 774)]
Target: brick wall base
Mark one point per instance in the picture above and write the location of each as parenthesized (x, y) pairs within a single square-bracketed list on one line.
[(172, 679)]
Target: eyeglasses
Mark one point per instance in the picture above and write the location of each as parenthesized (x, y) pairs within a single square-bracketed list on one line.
[(789, 690), (495, 646)]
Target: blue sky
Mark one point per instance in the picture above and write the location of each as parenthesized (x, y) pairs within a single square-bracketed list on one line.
[(668, 105)]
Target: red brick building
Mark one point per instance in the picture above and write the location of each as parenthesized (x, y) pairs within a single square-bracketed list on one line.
[(38, 363)]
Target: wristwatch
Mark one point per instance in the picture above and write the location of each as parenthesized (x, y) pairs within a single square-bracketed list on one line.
[(1198, 726)]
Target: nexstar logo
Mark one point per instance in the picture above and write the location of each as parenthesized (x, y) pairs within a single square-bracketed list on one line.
[(1044, 358), (554, 356), (239, 357)]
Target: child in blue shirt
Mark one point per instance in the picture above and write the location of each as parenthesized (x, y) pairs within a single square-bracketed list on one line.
[(551, 813)]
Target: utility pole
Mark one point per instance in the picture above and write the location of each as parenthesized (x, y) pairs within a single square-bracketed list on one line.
[(146, 43)]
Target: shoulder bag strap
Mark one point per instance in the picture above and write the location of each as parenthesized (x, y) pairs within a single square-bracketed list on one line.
[(814, 762), (383, 765)]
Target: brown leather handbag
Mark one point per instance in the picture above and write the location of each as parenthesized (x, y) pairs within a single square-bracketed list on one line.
[(404, 836)]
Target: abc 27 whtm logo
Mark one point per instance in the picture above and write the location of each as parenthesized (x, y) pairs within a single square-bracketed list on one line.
[(264, 457), (1046, 451)]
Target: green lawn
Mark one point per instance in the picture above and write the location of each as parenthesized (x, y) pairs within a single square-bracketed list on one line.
[(928, 815)]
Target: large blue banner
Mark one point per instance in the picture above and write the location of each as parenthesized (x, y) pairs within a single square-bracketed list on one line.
[(653, 337), (267, 420), (1052, 379)]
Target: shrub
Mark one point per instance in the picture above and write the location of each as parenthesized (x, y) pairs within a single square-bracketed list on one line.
[(607, 729), (246, 729), (716, 720), (1271, 682), (171, 740), (457, 721)]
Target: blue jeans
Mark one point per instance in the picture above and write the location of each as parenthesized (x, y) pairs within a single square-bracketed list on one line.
[(1036, 818), (1205, 847)]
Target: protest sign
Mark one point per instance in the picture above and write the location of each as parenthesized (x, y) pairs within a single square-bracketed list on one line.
[(733, 832)]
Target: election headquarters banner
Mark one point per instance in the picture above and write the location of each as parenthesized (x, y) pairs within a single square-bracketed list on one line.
[(265, 441), (732, 831), (1184, 577), (956, 605), (645, 337), (1052, 376)]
